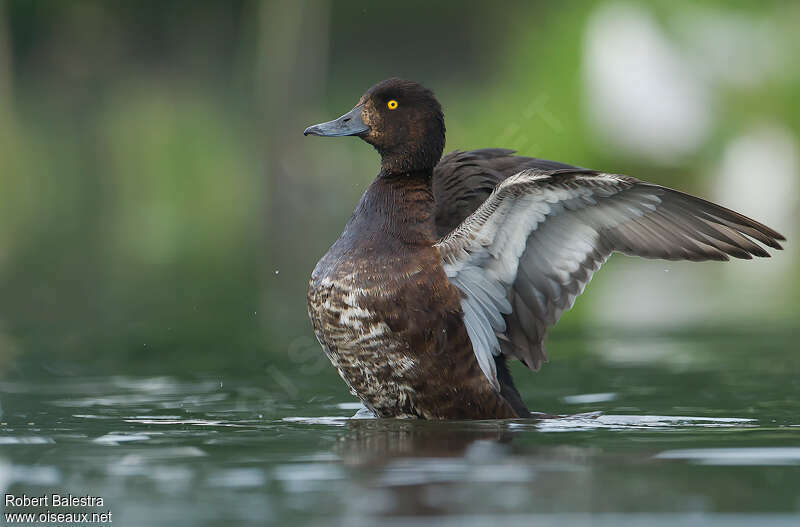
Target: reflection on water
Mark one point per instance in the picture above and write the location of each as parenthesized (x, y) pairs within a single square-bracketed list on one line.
[(379, 441), (713, 443)]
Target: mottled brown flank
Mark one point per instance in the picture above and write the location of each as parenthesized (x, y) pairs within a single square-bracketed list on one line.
[(389, 319)]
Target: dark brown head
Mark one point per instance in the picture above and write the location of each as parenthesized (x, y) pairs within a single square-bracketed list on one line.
[(401, 119)]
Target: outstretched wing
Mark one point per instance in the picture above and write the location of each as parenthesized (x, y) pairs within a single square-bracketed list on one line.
[(529, 250)]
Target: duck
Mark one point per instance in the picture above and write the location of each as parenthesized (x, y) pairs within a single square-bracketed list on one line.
[(452, 266)]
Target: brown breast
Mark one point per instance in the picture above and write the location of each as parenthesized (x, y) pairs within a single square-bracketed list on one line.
[(388, 318)]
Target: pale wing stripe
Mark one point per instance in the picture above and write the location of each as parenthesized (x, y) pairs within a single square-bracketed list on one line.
[(483, 338)]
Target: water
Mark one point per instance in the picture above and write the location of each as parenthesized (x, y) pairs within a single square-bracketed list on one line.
[(667, 430)]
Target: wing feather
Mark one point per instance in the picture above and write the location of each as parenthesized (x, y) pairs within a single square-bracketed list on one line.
[(528, 251)]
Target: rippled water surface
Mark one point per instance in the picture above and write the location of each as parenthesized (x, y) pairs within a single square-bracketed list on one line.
[(669, 431)]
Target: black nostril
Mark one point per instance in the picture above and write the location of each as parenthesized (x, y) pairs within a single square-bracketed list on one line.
[(345, 120)]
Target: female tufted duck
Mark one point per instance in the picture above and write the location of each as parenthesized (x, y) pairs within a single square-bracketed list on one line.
[(448, 267)]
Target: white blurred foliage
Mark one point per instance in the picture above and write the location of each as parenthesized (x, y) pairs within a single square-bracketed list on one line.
[(651, 98), (758, 176), (643, 97), (732, 47), (652, 294)]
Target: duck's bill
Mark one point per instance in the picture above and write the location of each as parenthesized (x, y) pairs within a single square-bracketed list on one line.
[(348, 124)]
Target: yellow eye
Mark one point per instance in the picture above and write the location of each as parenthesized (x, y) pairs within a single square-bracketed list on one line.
[(392, 105)]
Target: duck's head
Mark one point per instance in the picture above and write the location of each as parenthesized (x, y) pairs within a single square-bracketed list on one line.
[(401, 119)]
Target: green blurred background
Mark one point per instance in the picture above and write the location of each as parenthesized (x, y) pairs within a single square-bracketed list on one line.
[(161, 210)]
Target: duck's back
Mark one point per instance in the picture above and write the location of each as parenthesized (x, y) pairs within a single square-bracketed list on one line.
[(462, 180)]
